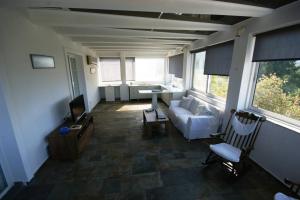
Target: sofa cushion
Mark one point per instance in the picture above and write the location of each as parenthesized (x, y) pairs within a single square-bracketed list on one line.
[(185, 102), (194, 106), (204, 111), (183, 119), (281, 196), (199, 108), (180, 111), (213, 111)]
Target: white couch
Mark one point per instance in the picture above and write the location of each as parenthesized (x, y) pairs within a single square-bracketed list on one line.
[(194, 126)]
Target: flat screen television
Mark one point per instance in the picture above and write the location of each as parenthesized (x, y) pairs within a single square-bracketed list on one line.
[(77, 108)]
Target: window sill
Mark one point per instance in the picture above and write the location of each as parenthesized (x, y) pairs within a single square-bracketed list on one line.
[(276, 119), (209, 99)]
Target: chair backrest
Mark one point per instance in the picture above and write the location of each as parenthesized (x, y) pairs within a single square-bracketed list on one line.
[(238, 140), (294, 187)]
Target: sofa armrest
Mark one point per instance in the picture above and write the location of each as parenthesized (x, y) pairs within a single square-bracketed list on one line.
[(174, 103)]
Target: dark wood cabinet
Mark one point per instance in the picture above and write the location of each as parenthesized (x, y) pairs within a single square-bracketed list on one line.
[(69, 147)]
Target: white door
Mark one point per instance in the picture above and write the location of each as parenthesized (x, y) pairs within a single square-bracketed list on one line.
[(74, 74)]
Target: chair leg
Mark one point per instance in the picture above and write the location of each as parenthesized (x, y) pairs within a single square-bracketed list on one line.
[(208, 159)]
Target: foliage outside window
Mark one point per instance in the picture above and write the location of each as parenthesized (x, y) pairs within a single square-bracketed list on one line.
[(218, 86), (278, 88), (213, 85)]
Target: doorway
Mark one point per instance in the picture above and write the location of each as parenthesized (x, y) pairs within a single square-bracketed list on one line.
[(3, 182), (74, 75)]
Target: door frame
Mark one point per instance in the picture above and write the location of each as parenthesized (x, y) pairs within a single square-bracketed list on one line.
[(82, 82), (69, 56), (6, 172)]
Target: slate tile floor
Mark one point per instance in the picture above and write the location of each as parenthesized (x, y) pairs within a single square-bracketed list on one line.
[(121, 164)]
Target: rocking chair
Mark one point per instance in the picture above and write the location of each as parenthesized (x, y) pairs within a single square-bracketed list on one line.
[(236, 142), (294, 194)]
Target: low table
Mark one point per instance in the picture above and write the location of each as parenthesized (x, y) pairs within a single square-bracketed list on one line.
[(150, 119)]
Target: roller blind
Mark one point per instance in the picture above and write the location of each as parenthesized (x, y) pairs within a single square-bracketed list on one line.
[(176, 65), (280, 44), (110, 69), (218, 59)]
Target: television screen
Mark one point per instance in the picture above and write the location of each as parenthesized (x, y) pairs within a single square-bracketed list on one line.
[(77, 108)]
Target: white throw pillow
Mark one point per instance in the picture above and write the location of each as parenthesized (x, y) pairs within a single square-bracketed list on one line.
[(194, 106), (185, 102), (199, 108), (204, 110)]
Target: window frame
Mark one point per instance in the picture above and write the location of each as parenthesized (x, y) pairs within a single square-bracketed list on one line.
[(145, 81), (206, 93), (193, 72), (133, 69), (275, 117)]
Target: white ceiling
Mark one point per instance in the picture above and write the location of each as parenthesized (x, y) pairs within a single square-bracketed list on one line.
[(112, 32)]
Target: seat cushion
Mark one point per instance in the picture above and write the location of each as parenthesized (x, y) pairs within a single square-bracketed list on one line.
[(226, 151), (280, 196), (180, 111)]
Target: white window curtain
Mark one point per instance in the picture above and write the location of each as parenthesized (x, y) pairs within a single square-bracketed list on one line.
[(149, 69), (110, 69)]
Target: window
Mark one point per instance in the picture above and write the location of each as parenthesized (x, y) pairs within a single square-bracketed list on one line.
[(218, 86), (149, 69), (211, 85), (130, 69), (277, 88), (110, 69), (199, 79)]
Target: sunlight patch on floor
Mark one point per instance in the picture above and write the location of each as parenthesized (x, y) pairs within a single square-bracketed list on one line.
[(134, 107)]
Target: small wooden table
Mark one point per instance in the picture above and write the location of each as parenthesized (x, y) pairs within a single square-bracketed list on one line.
[(150, 119)]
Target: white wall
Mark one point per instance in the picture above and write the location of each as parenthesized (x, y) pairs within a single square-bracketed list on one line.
[(276, 147), (37, 100), (92, 83), (10, 161)]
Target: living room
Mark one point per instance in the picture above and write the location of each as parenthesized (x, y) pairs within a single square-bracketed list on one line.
[(128, 58)]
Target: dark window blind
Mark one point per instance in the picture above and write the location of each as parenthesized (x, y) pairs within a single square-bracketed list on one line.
[(218, 59), (280, 44), (176, 65)]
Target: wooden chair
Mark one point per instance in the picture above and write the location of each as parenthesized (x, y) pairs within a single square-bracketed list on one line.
[(294, 194), (232, 148)]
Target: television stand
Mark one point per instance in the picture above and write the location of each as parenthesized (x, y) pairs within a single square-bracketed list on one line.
[(69, 147)]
